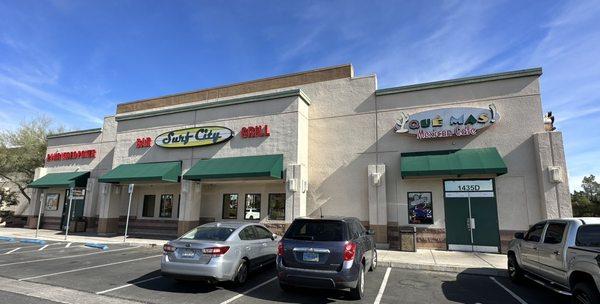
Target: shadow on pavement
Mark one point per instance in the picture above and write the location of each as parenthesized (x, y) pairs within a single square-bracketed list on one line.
[(475, 286), (167, 284)]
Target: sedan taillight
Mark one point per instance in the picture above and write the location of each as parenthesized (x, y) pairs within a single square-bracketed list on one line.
[(280, 248), (216, 251), (168, 248), (349, 251)]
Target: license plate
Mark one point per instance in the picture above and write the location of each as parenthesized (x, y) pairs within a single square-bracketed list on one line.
[(188, 253), (310, 257)]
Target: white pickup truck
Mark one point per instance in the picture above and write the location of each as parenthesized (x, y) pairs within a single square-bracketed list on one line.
[(562, 254)]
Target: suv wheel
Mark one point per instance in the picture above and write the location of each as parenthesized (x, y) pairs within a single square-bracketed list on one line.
[(358, 292), (241, 274), (514, 270), (585, 293), (374, 261)]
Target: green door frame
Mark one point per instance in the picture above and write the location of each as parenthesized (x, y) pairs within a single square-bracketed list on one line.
[(495, 201)]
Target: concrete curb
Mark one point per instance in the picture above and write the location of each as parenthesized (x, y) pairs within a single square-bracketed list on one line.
[(33, 241), (97, 245), (496, 272), (7, 239)]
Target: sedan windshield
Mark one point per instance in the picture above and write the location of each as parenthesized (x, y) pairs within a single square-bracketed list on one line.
[(208, 233)]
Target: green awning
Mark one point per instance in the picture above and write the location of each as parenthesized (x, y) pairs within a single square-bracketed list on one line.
[(61, 180), (452, 162), (161, 172), (270, 166)]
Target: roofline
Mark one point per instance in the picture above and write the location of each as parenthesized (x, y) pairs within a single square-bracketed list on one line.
[(74, 133), (246, 87), (215, 104), (461, 81)]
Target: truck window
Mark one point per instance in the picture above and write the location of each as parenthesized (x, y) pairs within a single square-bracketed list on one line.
[(535, 233), (588, 236), (554, 233)]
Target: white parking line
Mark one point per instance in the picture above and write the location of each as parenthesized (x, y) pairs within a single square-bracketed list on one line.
[(514, 295), (43, 247), (249, 291), (127, 285), (88, 268), (45, 250), (11, 251), (68, 245), (383, 284), (66, 257)]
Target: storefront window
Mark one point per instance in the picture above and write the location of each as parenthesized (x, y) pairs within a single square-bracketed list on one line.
[(166, 205), (420, 208), (277, 206), (148, 207), (230, 206), (252, 210)]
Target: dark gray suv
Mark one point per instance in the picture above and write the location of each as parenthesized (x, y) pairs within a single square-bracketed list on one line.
[(331, 252)]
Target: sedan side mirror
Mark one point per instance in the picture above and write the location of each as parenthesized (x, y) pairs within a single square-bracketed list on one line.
[(370, 232), (519, 235), (273, 236)]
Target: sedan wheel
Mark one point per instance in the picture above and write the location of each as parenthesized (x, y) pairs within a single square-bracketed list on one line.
[(242, 274), (374, 261)]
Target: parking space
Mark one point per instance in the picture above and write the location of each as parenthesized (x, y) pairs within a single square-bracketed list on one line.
[(129, 272)]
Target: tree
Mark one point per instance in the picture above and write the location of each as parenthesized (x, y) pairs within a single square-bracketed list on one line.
[(22, 151), (587, 202), (7, 198)]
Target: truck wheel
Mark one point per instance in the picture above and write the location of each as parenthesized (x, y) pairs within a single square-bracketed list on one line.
[(585, 293), (515, 273), (358, 292), (285, 287)]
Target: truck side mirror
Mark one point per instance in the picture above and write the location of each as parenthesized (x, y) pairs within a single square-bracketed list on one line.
[(519, 235), (370, 232)]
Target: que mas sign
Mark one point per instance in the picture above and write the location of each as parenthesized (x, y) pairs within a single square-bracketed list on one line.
[(447, 122), (194, 137)]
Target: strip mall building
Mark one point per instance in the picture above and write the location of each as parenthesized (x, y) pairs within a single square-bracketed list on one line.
[(467, 161)]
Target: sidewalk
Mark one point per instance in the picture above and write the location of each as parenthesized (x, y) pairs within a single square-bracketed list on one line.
[(449, 261), (423, 259), (55, 235)]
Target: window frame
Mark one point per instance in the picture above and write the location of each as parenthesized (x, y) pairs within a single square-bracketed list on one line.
[(237, 206), (544, 224), (562, 236), (251, 227), (258, 228), (270, 208), (408, 208), (160, 205), (246, 206), (150, 209)]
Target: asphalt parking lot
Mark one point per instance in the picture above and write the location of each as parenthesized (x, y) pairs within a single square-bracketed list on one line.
[(133, 273)]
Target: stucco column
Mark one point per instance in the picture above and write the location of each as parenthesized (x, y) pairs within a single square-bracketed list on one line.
[(377, 202), (109, 199), (34, 207), (552, 175), (91, 199), (295, 190), (189, 209)]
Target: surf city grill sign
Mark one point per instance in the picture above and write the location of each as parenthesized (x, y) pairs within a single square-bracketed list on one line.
[(447, 122), (194, 137)]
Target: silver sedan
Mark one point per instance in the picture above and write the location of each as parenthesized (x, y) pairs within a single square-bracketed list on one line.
[(220, 251)]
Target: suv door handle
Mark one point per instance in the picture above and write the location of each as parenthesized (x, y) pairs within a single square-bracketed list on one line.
[(556, 252)]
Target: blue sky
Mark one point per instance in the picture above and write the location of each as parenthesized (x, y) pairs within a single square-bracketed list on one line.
[(75, 60)]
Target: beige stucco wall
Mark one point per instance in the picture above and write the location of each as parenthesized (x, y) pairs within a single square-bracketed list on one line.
[(332, 142), (212, 196), (518, 102)]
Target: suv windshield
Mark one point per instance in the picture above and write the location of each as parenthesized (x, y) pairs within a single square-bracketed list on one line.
[(208, 233), (588, 236), (316, 230)]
